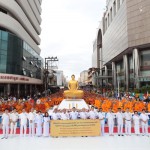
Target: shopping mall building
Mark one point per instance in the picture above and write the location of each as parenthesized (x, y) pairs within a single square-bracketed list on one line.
[(20, 61), (122, 46)]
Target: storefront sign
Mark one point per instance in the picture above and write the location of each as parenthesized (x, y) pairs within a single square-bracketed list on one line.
[(75, 127), (10, 78), (13, 78)]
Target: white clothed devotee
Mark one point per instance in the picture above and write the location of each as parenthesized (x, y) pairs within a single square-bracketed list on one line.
[(64, 116), (39, 123), (101, 116), (14, 116), (128, 118), (120, 117), (110, 118), (5, 124), (46, 126), (73, 115), (31, 118), (144, 122), (55, 116), (92, 114), (136, 121), (83, 115), (23, 123)]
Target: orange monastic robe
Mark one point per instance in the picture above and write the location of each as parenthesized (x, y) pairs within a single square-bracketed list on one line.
[(148, 107)]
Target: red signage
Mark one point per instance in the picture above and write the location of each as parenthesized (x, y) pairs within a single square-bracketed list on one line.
[(13, 78)]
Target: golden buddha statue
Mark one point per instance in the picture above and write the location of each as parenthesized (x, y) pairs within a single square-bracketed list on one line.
[(73, 91)]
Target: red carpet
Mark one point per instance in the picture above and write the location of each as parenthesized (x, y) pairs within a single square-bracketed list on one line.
[(106, 130)]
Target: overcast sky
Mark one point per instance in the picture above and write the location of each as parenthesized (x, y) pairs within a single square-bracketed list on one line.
[(69, 28)]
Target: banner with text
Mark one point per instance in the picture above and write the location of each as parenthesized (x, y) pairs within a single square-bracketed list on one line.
[(75, 127)]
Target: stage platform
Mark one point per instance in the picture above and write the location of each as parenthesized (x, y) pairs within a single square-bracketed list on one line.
[(76, 143), (69, 103)]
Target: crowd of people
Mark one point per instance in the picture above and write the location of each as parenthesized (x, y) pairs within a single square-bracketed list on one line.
[(32, 119), (34, 112), (44, 103), (40, 122)]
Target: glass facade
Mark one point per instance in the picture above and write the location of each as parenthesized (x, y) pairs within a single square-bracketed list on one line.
[(145, 62), (144, 67), (17, 57)]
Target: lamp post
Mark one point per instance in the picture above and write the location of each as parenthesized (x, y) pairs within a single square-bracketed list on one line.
[(51, 60), (106, 74), (48, 69), (46, 72)]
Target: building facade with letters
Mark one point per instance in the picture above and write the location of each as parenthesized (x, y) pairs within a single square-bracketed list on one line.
[(123, 44), (20, 60)]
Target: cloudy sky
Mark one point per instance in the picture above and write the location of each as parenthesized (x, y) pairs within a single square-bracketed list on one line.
[(69, 28)]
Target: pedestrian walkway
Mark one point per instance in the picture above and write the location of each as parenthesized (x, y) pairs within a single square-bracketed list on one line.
[(76, 143)]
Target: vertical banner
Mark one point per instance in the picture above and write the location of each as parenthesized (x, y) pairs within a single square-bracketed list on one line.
[(75, 127)]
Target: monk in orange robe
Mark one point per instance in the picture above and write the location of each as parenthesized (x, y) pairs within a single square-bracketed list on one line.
[(148, 107), (28, 106), (19, 107)]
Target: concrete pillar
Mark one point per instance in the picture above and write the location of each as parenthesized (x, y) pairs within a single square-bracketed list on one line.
[(126, 73), (98, 57), (8, 89), (30, 89), (106, 74), (106, 71), (136, 68), (100, 60), (114, 75), (18, 90), (25, 89)]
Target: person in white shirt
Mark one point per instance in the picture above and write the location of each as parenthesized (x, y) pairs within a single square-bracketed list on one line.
[(110, 120), (120, 117), (55, 115), (39, 124), (31, 118), (92, 114), (5, 124), (83, 114), (73, 114), (136, 123), (46, 124), (144, 122), (13, 121), (64, 115), (101, 116), (23, 122), (128, 119)]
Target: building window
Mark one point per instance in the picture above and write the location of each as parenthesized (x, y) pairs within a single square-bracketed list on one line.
[(4, 36), (144, 60), (4, 45)]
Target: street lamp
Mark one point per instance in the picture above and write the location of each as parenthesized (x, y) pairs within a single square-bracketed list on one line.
[(48, 69), (46, 72), (51, 60), (106, 76)]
